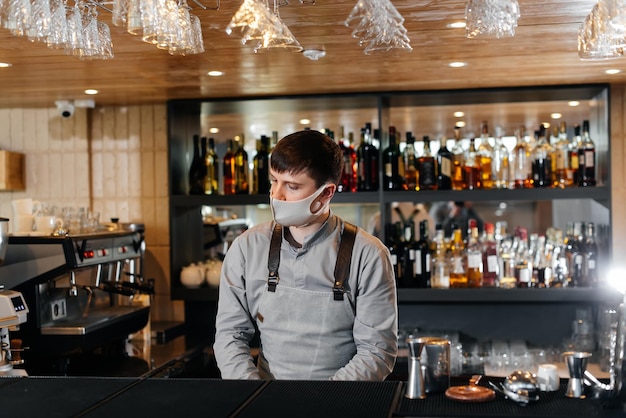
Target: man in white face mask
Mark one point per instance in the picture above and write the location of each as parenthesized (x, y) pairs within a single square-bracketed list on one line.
[(319, 291)]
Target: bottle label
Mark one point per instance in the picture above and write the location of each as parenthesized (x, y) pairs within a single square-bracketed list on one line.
[(591, 264), (574, 161), (411, 254), (589, 158), (427, 262), (492, 263), (446, 167), (474, 261), (418, 262), (388, 169), (394, 259), (524, 276)]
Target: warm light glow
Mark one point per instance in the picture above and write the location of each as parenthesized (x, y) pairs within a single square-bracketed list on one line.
[(613, 71), (573, 103), (214, 130), (460, 124), (91, 91), (5, 65), (215, 73), (305, 121), (556, 116), (616, 278), (456, 25), (459, 114), (457, 64)]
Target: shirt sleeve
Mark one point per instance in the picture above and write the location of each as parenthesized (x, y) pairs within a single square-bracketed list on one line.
[(376, 324), (234, 328)]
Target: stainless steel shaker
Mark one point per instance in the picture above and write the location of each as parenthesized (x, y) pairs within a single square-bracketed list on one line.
[(415, 386)]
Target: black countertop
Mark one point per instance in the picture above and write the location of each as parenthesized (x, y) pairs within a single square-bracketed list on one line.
[(184, 397)]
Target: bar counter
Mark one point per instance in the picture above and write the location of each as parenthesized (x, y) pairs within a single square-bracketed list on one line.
[(177, 397)]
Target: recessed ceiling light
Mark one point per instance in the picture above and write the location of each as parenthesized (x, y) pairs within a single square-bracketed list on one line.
[(613, 71), (305, 121), (91, 91), (459, 114), (457, 64), (215, 73), (456, 25), (460, 124), (214, 130), (573, 103), (5, 65), (556, 116)]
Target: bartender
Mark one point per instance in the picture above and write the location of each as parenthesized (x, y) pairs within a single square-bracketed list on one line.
[(320, 291)]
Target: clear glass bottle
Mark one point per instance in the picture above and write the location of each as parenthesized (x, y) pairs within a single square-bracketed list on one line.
[(427, 168), (444, 165), (410, 163), (562, 174), (523, 262), (440, 272), (500, 162), (485, 158), (211, 161), (591, 255), (542, 161), (559, 263), (458, 161), (587, 159)]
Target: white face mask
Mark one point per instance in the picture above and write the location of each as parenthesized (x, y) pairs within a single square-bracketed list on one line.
[(298, 212)]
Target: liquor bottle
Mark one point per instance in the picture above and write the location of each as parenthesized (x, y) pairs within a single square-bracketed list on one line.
[(574, 250), (440, 272), (560, 270), (544, 266), (392, 242), (444, 165), (500, 162), (458, 160), (367, 157), (520, 163), (260, 172), (490, 258), (574, 146), (471, 168), (523, 262), (211, 162), (410, 163), (422, 257), (241, 167), (203, 153), (485, 158), (196, 169), (408, 255), (591, 256), (562, 173), (587, 159), (507, 260), (348, 175), (542, 161), (229, 169), (458, 260), (426, 167), (474, 256), (393, 161)]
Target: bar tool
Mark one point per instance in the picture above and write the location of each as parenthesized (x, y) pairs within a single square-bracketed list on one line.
[(415, 387), (576, 364)]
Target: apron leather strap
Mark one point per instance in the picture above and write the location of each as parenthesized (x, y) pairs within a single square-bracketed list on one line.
[(344, 257), (273, 260)]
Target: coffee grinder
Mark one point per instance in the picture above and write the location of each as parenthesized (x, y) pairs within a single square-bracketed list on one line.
[(13, 312)]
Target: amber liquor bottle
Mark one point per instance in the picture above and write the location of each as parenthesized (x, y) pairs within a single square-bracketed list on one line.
[(458, 260), (458, 162), (485, 158), (229, 169), (241, 168), (211, 162), (471, 168)]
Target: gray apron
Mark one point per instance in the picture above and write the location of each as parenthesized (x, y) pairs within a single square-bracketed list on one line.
[(306, 335)]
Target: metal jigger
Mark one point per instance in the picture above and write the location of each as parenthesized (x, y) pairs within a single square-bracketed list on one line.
[(415, 387), (576, 363)]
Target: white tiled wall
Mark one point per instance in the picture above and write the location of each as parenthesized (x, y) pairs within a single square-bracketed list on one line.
[(111, 159)]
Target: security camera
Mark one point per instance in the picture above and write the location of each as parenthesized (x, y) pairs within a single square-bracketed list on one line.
[(65, 107)]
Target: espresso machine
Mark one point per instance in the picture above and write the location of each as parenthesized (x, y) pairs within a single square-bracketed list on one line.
[(81, 291)]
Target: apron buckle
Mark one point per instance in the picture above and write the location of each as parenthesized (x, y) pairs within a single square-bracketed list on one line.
[(338, 291), (272, 281)]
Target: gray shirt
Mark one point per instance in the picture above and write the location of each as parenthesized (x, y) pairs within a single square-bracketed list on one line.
[(370, 288)]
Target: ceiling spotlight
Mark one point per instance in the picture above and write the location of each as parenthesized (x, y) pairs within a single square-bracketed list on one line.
[(457, 64), (613, 71), (91, 91), (215, 73)]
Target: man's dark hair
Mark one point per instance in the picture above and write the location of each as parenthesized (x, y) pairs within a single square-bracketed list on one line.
[(311, 152)]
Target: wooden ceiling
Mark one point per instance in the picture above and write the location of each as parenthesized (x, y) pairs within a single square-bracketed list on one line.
[(543, 52)]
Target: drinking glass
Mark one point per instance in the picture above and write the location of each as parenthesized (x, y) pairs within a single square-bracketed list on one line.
[(494, 18), (597, 38), (57, 36), (40, 20)]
